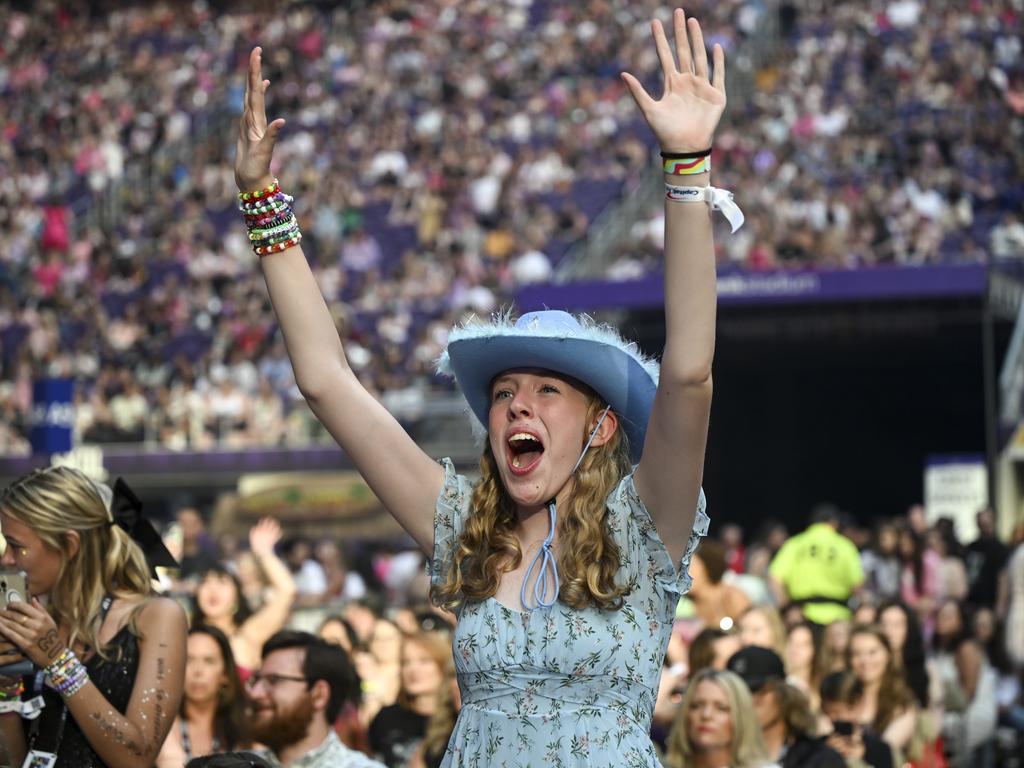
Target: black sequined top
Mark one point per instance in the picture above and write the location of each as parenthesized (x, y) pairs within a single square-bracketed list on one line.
[(114, 678)]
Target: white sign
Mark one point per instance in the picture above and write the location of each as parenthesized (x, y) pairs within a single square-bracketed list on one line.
[(85, 458), (958, 490)]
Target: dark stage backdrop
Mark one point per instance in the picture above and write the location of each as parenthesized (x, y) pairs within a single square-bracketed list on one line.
[(839, 403)]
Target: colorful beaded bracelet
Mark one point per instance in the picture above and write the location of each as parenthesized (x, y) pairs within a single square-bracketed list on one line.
[(260, 193), (66, 674), (269, 219), (13, 692), (290, 234), (265, 219), (263, 251), (266, 203), (268, 231)]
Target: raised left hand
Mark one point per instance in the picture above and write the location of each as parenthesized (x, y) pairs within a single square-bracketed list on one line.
[(263, 536), (256, 137), (685, 117), (33, 630)]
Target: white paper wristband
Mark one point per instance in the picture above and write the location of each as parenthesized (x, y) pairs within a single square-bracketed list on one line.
[(718, 199)]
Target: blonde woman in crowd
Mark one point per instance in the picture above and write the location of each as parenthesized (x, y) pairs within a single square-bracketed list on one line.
[(441, 722), (397, 729), (716, 726), (762, 625), (112, 653), (379, 667)]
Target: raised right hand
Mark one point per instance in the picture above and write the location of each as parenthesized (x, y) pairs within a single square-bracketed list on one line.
[(256, 139)]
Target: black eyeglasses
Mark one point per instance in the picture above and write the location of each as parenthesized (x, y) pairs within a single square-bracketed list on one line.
[(272, 680)]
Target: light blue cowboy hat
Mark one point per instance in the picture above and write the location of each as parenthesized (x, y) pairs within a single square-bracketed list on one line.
[(556, 341)]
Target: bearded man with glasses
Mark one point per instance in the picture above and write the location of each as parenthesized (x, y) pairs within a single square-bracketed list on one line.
[(302, 684)]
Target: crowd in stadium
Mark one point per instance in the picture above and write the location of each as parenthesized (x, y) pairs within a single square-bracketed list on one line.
[(491, 150), (917, 656)]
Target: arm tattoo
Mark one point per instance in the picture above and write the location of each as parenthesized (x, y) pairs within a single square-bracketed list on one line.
[(113, 732), (161, 694), (158, 720), (50, 644)]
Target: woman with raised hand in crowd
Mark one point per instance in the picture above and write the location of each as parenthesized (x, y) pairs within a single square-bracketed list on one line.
[(212, 718), (716, 726), (566, 561), (110, 653), (220, 602)]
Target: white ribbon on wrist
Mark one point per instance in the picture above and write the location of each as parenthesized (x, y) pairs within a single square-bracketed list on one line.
[(29, 710), (718, 199)]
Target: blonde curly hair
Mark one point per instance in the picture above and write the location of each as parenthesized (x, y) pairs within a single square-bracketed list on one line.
[(588, 555), (56, 500)]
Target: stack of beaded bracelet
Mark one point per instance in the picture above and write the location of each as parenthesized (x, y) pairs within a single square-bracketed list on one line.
[(270, 220), (686, 163), (66, 674)]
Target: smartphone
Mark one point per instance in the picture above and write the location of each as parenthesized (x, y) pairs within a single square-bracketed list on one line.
[(12, 588), (843, 727)]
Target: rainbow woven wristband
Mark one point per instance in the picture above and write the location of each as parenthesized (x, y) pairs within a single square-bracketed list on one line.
[(687, 166)]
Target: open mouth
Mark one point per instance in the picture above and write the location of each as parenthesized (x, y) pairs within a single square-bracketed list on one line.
[(525, 451)]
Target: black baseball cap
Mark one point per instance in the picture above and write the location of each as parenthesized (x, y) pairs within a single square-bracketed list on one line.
[(757, 666)]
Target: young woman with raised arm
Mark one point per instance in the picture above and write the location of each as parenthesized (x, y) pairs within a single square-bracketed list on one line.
[(566, 560)]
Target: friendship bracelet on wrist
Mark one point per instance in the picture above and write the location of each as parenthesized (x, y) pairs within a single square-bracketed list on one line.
[(269, 219), (13, 692), (686, 163), (673, 167), (260, 193), (66, 674), (263, 251)]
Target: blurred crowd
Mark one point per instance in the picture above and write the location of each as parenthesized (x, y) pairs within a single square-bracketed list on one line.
[(441, 153), (836, 646), (881, 133)]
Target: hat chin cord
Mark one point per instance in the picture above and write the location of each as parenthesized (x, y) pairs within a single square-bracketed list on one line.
[(545, 556)]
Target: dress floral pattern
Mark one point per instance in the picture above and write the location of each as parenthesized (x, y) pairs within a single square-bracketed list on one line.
[(563, 687)]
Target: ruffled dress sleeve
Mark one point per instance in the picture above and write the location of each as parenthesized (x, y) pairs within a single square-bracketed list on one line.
[(449, 516), (646, 560)]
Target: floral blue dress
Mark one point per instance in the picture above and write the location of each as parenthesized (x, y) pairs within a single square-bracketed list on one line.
[(564, 687)]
